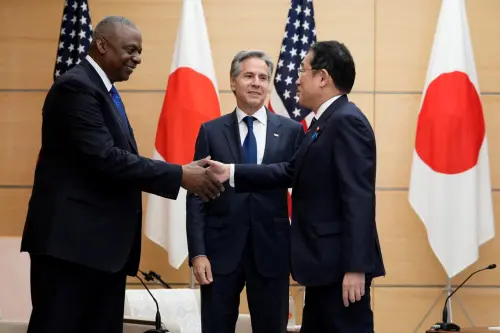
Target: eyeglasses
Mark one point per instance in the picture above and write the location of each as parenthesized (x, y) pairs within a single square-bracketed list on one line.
[(302, 69)]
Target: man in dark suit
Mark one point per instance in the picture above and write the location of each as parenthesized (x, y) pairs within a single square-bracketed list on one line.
[(244, 238), (335, 250), (83, 226)]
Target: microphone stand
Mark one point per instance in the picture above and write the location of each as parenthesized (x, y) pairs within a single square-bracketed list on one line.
[(152, 276), (445, 325), (158, 325)]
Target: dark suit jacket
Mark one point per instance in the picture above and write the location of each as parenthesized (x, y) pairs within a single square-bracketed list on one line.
[(333, 197), (85, 205), (219, 228)]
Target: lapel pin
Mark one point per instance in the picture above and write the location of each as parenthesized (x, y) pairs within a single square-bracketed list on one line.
[(276, 135)]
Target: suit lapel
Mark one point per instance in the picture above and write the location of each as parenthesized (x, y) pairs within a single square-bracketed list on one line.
[(232, 134), (273, 136), (124, 127), (319, 126)]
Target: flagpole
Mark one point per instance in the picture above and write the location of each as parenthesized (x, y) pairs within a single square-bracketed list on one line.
[(191, 278), (448, 305)]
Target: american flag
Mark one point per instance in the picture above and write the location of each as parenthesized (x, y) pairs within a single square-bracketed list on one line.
[(75, 36), (300, 34)]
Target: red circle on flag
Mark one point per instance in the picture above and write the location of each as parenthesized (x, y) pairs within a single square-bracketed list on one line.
[(450, 129)]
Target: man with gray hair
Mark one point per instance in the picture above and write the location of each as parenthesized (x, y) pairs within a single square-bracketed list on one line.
[(243, 239)]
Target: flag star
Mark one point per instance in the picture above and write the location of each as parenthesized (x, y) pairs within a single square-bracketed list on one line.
[(283, 48), (307, 11), (82, 34), (298, 9), (305, 25), (295, 38), (288, 80), (296, 98), (83, 20), (304, 39), (65, 3), (296, 112), (72, 34), (81, 48), (58, 73), (286, 94), (59, 59), (61, 45), (63, 31), (90, 26), (90, 39), (71, 47), (64, 17), (69, 62), (293, 52), (73, 19), (297, 24), (83, 6), (314, 32), (75, 5), (291, 66), (288, 20), (278, 78), (280, 63), (285, 35), (78, 61), (303, 53)]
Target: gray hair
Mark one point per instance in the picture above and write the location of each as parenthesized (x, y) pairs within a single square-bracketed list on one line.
[(102, 28), (242, 55)]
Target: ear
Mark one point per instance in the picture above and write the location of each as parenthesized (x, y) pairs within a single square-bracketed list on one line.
[(324, 77), (233, 84), (101, 45)]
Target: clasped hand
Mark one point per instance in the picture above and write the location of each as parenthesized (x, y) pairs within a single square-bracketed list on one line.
[(204, 178)]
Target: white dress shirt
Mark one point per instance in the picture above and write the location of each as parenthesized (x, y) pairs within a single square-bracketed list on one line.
[(259, 129), (104, 77), (317, 115)]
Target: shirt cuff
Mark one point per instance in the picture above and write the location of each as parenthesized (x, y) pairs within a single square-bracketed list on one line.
[(231, 175)]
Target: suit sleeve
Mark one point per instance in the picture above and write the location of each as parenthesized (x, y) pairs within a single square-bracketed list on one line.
[(93, 145), (254, 178), (355, 158), (195, 208)]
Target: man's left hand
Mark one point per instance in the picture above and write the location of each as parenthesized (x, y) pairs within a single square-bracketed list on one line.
[(353, 287)]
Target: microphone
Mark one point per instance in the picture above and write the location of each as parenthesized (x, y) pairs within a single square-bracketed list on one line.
[(152, 275), (158, 328), (451, 327)]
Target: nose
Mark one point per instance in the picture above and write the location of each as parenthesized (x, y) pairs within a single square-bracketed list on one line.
[(297, 82), (137, 59), (256, 81)]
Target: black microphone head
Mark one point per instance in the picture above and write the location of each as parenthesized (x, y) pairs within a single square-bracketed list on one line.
[(492, 266)]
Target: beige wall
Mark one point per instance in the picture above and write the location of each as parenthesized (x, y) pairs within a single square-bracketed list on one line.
[(390, 40)]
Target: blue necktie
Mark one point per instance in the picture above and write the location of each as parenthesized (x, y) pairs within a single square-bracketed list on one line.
[(250, 143), (119, 104)]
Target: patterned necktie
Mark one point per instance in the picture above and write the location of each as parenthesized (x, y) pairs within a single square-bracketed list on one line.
[(250, 143), (313, 121), (119, 104)]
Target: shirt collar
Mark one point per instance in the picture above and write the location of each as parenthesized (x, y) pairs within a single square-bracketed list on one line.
[(260, 115), (325, 106), (101, 73)]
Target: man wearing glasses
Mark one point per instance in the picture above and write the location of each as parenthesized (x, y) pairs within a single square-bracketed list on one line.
[(335, 250)]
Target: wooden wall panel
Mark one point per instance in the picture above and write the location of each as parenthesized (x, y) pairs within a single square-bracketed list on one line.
[(395, 126), (20, 121), (407, 255), (404, 39)]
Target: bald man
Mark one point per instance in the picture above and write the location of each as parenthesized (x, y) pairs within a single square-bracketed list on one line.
[(83, 227)]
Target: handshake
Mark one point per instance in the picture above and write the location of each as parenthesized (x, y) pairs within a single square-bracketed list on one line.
[(204, 178)]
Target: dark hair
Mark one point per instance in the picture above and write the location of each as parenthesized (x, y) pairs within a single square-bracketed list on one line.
[(336, 59)]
